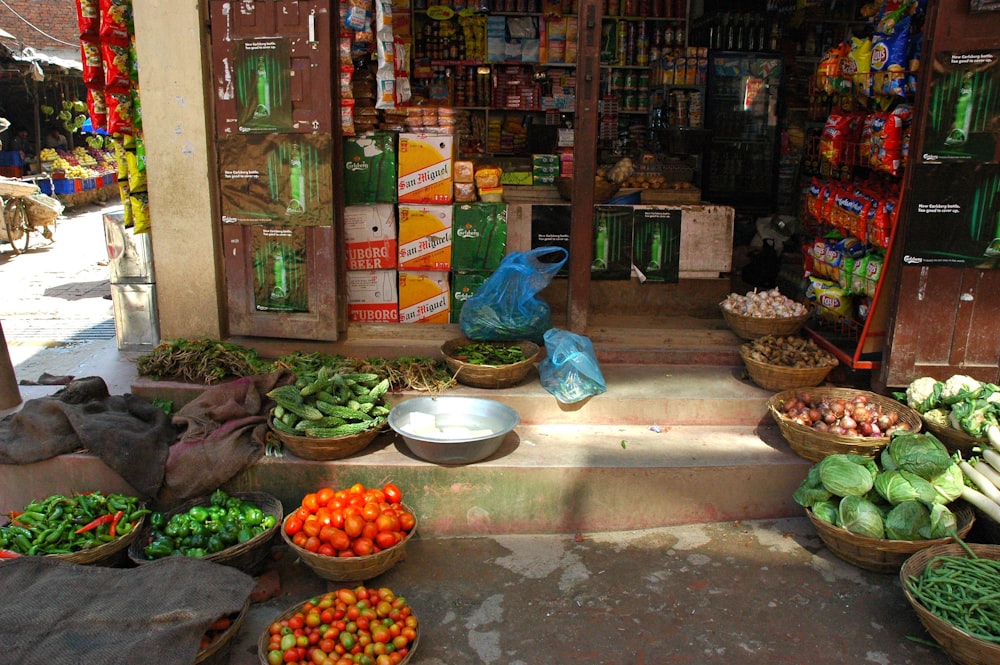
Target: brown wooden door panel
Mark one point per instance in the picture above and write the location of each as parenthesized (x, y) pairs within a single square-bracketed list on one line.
[(948, 325), (307, 26), (319, 323)]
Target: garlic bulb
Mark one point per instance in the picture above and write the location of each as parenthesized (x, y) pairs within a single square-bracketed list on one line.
[(769, 304)]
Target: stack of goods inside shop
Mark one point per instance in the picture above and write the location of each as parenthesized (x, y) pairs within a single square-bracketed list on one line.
[(853, 140), (111, 75), (81, 174)]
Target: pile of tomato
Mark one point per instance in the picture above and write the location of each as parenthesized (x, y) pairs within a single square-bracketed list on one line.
[(363, 626), (357, 521)]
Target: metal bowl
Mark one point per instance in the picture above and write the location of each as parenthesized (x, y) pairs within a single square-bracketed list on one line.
[(474, 413)]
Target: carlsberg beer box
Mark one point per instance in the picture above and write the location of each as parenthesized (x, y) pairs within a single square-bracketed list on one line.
[(370, 236), (479, 236), (425, 237), (372, 296), (426, 168), (656, 243), (464, 285), (370, 168), (423, 296), (612, 243)]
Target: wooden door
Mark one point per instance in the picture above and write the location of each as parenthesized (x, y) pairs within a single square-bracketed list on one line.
[(276, 142), (945, 318)]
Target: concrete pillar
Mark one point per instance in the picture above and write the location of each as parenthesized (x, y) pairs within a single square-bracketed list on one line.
[(10, 394)]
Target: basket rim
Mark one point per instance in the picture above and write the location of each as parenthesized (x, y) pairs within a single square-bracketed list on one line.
[(268, 503), (107, 550), (455, 342), (810, 308), (964, 514), (224, 638), (784, 368), (347, 438)]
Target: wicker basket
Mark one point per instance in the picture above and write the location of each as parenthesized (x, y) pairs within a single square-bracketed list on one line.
[(325, 449), (881, 555), (490, 376), (265, 637), (954, 440), (42, 210), (217, 653), (604, 190), (247, 556), (16, 187), (351, 569), (814, 446), (108, 555), (962, 647), (779, 377), (752, 327)]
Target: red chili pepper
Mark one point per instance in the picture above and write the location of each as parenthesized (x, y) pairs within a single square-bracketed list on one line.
[(7, 554), (113, 529), (103, 519)]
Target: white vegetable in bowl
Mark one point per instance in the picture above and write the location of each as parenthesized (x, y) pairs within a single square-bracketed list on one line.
[(425, 425)]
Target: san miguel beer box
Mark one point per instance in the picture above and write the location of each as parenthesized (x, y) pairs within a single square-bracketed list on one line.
[(370, 236), (372, 296), (426, 168), (423, 297), (425, 237), (479, 236)]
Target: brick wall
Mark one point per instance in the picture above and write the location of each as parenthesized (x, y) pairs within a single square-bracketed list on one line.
[(55, 18)]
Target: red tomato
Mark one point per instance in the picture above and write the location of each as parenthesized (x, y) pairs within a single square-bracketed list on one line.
[(356, 488), (310, 502), (387, 521), (369, 530), (353, 525), (406, 521), (340, 540), (312, 526), (326, 549), (312, 544), (371, 511), (300, 539), (337, 518), (362, 546), (293, 525), (386, 539), (392, 493)]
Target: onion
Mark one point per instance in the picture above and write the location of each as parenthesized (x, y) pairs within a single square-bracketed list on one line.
[(815, 415), (861, 414), (884, 422), (821, 427), (865, 429), (830, 418), (848, 423)]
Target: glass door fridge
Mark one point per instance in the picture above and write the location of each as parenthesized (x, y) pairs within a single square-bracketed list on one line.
[(742, 114)]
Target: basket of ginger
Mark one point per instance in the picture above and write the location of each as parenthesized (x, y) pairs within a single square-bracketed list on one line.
[(784, 362)]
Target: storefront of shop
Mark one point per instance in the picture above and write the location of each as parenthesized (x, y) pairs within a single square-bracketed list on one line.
[(700, 164)]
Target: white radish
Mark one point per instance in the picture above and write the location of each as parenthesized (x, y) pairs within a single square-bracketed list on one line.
[(981, 482), (993, 457), (987, 469), (993, 436), (982, 502)]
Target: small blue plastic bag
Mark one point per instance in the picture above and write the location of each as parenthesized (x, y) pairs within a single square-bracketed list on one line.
[(570, 370), (506, 308)]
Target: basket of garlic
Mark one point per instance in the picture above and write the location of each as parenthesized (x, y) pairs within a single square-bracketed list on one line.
[(760, 313)]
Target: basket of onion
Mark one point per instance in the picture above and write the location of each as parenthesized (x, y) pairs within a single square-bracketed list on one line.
[(760, 313), (824, 421)]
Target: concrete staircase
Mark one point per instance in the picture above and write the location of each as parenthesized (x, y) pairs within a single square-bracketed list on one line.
[(680, 436)]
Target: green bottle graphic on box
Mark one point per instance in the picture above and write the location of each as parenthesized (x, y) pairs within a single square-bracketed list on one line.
[(656, 251), (959, 133), (297, 181), (263, 90), (280, 290), (601, 245)]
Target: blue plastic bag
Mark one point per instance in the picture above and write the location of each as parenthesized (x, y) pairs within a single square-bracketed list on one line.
[(570, 370), (506, 308)]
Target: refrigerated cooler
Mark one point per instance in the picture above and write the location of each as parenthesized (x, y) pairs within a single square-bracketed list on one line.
[(133, 285), (742, 114)]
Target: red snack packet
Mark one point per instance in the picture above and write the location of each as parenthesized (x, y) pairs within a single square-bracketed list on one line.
[(116, 16), (97, 109), (119, 105), (115, 57), (90, 56), (88, 16)]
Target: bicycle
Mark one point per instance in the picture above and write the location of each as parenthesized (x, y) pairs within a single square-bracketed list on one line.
[(20, 221)]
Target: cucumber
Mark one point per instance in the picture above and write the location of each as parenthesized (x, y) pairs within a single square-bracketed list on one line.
[(344, 412)]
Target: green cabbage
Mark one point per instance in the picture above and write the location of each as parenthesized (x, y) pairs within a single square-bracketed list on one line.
[(901, 485), (943, 522), (811, 491), (826, 511), (907, 521), (847, 475), (921, 454), (885, 459), (859, 515), (948, 484)]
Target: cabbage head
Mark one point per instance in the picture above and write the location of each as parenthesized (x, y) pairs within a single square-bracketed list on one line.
[(886, 461), (948, 484), (847, 475), (826, 511), (861, 516), (901, 485), (921, 454), (943, 522), (811, 491), (908, 521)]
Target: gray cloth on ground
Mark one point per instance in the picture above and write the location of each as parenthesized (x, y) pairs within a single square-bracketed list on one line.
[(128, 433), (61, 613), (221, 433)]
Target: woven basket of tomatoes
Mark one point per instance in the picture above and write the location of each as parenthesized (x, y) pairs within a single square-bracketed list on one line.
[(384, 629), (350, 535)]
